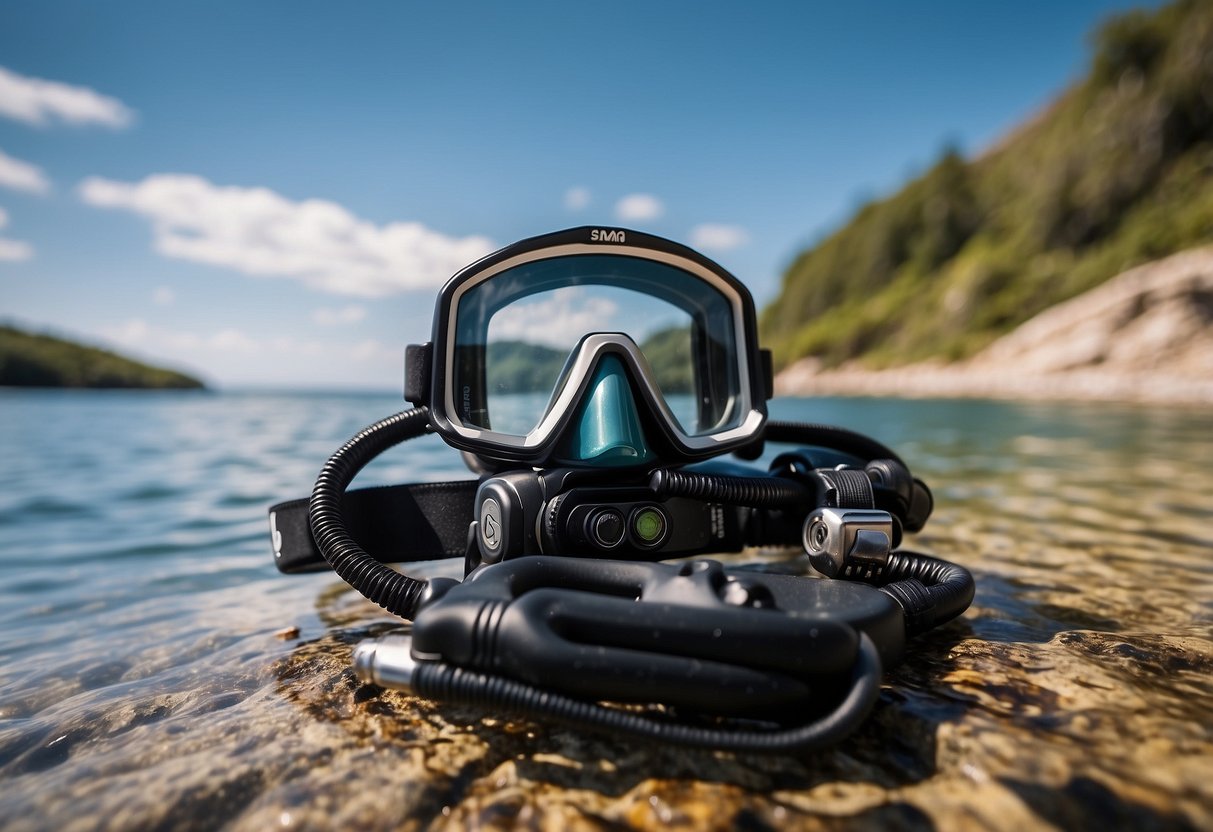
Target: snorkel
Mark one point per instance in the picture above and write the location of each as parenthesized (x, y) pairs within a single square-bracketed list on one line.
[(596, 469)]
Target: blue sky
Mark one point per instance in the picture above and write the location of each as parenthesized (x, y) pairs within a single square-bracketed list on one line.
[(269, 194)]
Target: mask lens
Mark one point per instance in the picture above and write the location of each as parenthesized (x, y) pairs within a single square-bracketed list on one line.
[(517, 334)]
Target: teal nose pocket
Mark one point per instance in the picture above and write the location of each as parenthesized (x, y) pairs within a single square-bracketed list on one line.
[(606, 429)]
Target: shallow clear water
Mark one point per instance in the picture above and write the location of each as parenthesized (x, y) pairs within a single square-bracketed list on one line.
[(145, 680)]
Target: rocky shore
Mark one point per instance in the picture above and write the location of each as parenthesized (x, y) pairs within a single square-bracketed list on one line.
[(1144, 336)]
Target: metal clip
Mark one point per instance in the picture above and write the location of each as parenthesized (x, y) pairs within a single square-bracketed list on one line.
[(848, 543)]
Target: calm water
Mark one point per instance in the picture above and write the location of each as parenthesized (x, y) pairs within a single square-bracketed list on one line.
[(142, 677)]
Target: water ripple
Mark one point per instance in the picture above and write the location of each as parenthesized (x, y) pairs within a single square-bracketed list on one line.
[(156, 667)]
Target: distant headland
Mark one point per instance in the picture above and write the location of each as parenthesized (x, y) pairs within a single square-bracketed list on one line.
[(30, 359)]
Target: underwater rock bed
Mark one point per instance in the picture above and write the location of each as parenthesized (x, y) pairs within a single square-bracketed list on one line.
[(1027, 711), (988, 733)]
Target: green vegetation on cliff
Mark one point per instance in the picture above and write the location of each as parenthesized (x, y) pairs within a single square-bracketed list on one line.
[(31, 360), (1117, 171), (669, 355), (524, 367)]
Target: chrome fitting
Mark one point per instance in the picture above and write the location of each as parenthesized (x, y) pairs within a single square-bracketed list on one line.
[(387, 662), (848, 542)]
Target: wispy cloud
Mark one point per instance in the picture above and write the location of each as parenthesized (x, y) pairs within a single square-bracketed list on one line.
[(557, 318), (40, 102), (575, 199), (237, 355), (228, 348), (260, 232), (13, 250), (718, 237), (22, 176), (327, 316), (639, 207), (164, 296), (137, 333)]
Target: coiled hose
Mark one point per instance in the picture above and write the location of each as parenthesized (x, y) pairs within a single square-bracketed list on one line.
[(770, 492), (930, 591), (398, 594), (756, 492), (498, 694), (829, 436)]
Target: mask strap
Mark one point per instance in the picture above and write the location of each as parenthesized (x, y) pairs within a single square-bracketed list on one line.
[(394, 524)]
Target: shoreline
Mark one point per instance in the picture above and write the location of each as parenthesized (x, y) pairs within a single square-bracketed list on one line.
[(973, 381), (1143, 337)]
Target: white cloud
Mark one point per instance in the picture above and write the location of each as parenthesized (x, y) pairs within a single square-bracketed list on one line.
[(13, 250), (174, 344), (351, 314), (137, 333), (131, 333), (557, 319), (719, 237), (22, 176), (576, 199), (233, 340), (260, 232), (163, 296), (233, 355), (37, 101), (636, 207)]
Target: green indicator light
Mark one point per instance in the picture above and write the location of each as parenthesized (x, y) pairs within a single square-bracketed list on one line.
[(649, 524)]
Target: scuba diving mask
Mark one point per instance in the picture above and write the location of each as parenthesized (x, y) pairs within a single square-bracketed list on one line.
[(593, 379), (593, 347)]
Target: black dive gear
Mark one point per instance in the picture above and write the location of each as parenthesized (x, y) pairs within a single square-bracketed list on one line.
[(584, 487), (552, 637)]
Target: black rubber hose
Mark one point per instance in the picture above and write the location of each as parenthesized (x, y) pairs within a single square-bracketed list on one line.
[(396, 593), (757, 492), (495, 694), (829, 436), (930, 591)]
